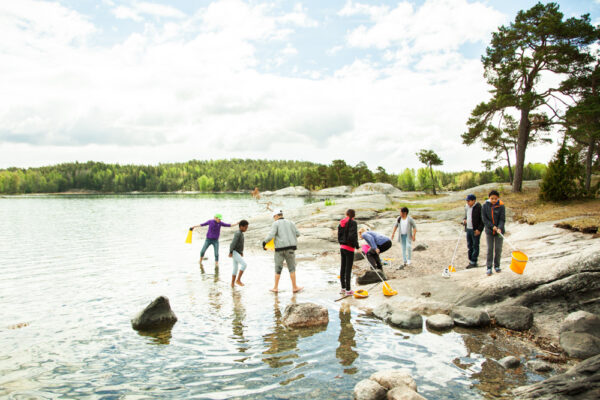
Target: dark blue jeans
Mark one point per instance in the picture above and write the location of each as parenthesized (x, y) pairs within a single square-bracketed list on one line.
[(473, 246)]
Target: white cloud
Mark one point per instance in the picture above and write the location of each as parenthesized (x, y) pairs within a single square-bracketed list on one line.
[(138, 9), (438, 25)]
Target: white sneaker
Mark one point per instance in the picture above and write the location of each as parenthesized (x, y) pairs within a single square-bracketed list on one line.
[(446, 273), (408, 262)]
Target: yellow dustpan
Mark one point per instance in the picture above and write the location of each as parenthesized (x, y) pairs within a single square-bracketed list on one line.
[(270, 245), (387, 290), (188, 239), (361, 294)]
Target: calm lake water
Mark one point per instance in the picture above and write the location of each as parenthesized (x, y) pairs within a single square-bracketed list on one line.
[(75, 270)]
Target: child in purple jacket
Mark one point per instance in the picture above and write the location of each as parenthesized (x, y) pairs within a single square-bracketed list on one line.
[(212, 236)]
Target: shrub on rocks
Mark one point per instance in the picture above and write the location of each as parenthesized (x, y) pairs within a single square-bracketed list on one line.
[(470, 317), (304, 315), (406, 319), (439, 322), (516, 318), (368, 389), (157, 315)]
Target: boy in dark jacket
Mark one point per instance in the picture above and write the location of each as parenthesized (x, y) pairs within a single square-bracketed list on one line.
[(474, 227), (493, 215), (236, 251), (348, 240)]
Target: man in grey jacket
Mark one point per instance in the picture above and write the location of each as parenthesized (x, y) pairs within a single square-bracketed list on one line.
[(286, 235)]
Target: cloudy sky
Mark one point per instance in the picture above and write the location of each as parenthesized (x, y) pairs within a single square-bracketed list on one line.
[(133, 81)]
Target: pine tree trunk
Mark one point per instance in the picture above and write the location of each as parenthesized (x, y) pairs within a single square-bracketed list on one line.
[(432, 181), (510, 174), (524, 130), (588, 165)]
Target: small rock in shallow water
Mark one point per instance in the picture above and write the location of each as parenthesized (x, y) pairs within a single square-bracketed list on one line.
[(157, 315), (305, 314), (470, 317), (539, 366), (403, 393), (439, 322), (406, 319), (516, 318), (580, 345), (368, 389), (509, 362), (391, 378)]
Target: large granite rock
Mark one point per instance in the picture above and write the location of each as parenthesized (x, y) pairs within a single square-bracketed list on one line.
[(581, 382), (290, 191), (334, 191), (581, 321), (370, 277), (470, 317), (304, 315), (157, 315), (406, 319), (373, 188), (391, 378), (579, 344), (439, 322), (509, 362), (368, 389), (516, 318)]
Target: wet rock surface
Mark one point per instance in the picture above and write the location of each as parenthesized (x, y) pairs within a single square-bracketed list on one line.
[(303, 315), (439, 322), (388, 384), (539, 366), (581, 382), (516, 318), (470, 317), (509, 362), (406, 319), (157, 315), (368, 389)]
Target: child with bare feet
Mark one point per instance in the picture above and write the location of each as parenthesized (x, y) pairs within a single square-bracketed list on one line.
[(236, 251)]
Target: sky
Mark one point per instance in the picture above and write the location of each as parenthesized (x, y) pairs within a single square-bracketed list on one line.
[(148, 82)]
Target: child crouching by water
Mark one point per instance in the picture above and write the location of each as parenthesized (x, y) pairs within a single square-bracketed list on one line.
[(236, 251)]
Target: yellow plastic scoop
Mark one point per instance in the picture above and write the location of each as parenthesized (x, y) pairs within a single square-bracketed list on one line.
[(451, 268), (188, 239), (361, 294), (387, 290)]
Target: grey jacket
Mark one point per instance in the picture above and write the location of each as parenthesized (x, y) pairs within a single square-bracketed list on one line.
[(285, 234), (237, 243), (411, 225)]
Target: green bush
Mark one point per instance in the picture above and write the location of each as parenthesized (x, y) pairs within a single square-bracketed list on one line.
[(563, 178)]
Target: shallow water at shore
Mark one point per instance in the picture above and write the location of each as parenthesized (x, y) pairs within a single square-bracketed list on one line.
[(75, 270)]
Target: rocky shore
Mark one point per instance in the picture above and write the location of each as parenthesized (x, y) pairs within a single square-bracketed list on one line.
[(562, 275)]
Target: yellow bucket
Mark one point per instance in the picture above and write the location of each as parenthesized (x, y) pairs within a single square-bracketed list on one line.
[(188, 239), (361, 294), (519, 260)]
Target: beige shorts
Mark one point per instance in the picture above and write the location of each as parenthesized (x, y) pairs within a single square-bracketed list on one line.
[(290, 259)]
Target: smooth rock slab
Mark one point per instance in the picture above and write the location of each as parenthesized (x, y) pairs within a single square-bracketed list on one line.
[(539, 366), (516, 318), (406, 319), (583, 322), (368, 389), (470, 317), (403, 393), (580, 345), (370, 277), (509, 362), (580, 382), (391, 378), (303, 315), (439, 322), (157, 315)]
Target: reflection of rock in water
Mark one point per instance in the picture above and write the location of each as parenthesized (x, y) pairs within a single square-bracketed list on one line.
[(237, 323), (345, 351), (283, 341), (159, 336)]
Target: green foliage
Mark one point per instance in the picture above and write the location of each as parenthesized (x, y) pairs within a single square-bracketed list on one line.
[(563, 178), (329, 202), (406, 180), (429, 158)]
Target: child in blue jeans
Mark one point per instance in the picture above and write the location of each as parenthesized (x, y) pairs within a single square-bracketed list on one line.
[(407, 235), (236, 251)]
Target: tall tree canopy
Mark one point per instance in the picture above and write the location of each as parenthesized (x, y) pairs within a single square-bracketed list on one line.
[(430, 158), (539, 43)]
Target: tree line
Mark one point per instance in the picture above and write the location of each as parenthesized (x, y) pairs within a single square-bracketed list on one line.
[(234, 175)]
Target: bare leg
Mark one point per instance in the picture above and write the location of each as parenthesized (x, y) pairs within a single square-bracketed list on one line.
[(239, 278), (295, 287), (232, 280), (275, 287)]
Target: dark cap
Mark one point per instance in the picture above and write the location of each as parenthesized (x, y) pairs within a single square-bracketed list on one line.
[(471, 197)]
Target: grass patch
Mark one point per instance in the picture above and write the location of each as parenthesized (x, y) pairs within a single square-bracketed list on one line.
[(423, 196)]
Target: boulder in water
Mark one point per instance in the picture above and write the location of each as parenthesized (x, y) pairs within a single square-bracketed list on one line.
[(509, 362), (368, 389), (303, 315), (157, 315), (439, 322), (391, 378), (516, 318), (406, 319), (470, 317)]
